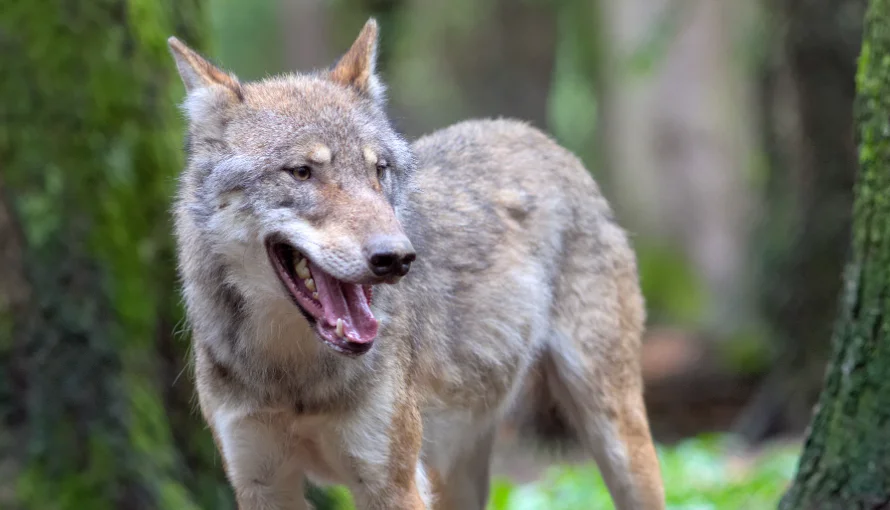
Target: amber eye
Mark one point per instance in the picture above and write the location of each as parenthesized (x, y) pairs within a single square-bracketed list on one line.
[(382, 167), (300, 173)]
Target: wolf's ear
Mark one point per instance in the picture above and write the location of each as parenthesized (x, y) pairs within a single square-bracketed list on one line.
[(356, 68), (197, 72)]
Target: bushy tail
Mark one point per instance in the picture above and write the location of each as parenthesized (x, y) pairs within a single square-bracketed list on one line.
[(538, 414)]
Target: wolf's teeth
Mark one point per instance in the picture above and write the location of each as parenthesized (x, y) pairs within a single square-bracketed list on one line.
[(310, 284), (339, 328), (301, 269), (315, 296)]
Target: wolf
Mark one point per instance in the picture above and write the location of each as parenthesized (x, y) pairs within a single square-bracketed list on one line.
[(365, 311)]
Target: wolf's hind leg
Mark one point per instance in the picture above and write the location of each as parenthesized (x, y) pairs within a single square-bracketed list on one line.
[(603, 402)]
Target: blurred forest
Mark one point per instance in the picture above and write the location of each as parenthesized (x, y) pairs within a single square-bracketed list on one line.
[(722, 133)]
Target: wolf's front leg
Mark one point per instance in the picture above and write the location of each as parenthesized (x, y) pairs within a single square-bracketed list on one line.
[(260, 462), (383, 445)]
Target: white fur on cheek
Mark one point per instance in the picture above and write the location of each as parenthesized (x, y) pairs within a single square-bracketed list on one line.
[(231, 223), (235, 231)]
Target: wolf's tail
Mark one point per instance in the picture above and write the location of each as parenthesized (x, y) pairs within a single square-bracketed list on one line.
[(541, 413)]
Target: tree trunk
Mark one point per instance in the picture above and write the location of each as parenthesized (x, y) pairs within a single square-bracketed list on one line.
[(846, 459), (93, 413)]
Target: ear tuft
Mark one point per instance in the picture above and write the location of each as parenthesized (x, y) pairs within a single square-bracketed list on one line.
[(356, 68), (197, 72)]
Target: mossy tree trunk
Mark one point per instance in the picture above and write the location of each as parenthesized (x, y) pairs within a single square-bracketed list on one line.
[(846, 460), (92, 411)]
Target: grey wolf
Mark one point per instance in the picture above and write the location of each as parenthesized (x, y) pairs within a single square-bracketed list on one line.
[(365, 311)]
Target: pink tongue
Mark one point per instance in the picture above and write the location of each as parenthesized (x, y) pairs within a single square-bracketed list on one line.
[(345, 301)]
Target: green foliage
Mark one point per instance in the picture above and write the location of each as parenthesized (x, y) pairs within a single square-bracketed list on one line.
[(91, 144), (671, 286), (248, 36), (330, 498), (747, 352), (698, 475), (643, 61), (571, 109)]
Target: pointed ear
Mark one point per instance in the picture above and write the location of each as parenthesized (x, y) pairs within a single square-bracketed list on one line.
[(197, 72), (356, 68)]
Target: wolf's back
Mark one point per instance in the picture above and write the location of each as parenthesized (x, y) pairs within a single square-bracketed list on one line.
[(500, 204)]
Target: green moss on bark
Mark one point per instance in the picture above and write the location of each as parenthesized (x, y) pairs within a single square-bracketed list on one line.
[(846, 459), (90, 141)]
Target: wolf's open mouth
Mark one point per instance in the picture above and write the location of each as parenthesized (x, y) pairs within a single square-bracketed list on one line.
[(340, 311)]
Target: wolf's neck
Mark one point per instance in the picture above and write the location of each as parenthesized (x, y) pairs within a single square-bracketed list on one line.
[(276, 329), (268, 330)]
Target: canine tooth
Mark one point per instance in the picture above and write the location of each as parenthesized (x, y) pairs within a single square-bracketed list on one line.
[(310, 284), (315, 296), (339, 329), (301, 269)]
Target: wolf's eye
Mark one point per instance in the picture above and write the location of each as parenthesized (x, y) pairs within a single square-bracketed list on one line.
[(300, 173), (382, 167)]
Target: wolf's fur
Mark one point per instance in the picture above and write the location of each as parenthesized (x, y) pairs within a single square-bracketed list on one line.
[(524, 292)]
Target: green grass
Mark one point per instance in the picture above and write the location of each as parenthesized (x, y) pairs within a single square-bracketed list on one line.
[(699, 474)]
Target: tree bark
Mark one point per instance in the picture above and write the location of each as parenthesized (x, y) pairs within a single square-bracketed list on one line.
[(846, 459), (92, 411)]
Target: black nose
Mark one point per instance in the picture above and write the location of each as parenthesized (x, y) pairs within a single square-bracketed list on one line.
[(390, 256)]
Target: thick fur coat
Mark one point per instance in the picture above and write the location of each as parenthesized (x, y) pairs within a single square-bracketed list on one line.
[(523, 296)]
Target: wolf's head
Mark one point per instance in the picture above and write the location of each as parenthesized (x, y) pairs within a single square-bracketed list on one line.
[(293, 184)]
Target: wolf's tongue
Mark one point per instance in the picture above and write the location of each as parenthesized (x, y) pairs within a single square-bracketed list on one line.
[(346, 301)]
